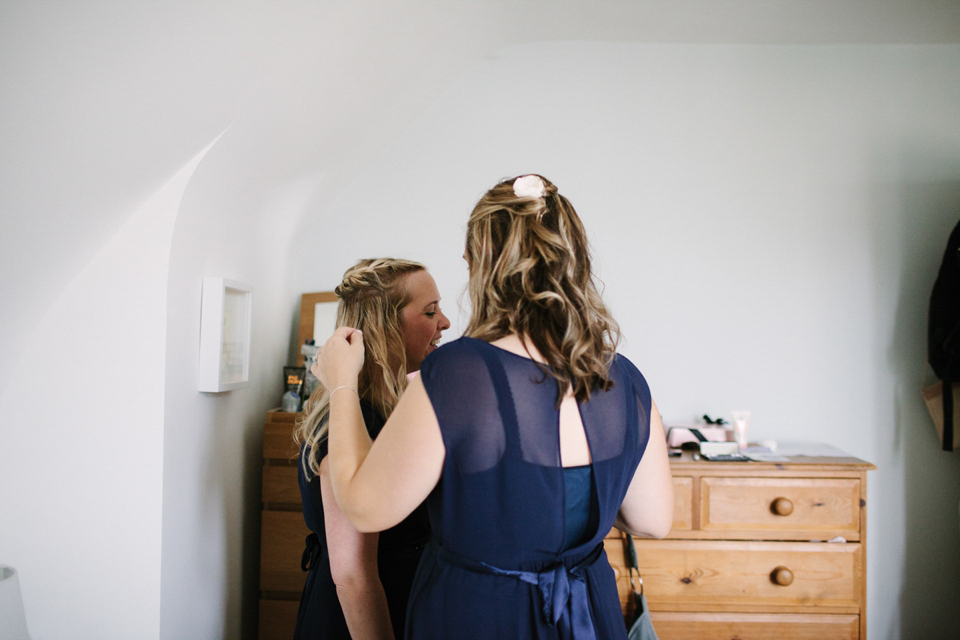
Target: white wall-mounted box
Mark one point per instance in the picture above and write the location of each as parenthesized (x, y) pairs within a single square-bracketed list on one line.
[(225, 315)]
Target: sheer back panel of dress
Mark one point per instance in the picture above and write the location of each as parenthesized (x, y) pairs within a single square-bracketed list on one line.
[(500, 564), (502, 474)]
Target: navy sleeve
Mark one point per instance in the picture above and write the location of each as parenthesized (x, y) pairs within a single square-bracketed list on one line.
[(641, 393), (461, 391)]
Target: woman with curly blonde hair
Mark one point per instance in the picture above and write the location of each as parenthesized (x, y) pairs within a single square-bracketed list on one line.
[(529, 438), (358, 583)]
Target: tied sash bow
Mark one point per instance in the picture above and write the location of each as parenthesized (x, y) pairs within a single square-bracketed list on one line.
[(311, 552), (565, 602)]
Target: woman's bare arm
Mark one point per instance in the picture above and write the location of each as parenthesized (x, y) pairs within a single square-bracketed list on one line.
[(377, 484), (647, 509), (353, 567)]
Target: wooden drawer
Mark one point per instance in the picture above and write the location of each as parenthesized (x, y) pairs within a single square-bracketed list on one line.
[(682, 503), (278, 436), (781, 508), (754, 626), (280, 486), (278, 619), (718, 575), (283, 533), (282, 530)]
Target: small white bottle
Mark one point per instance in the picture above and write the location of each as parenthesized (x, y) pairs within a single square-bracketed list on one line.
[(290, 402)]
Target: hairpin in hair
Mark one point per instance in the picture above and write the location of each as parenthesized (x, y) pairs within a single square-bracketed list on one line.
[(529, 186)]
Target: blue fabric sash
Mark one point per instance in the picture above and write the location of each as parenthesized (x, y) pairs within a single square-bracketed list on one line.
[(565, 602)]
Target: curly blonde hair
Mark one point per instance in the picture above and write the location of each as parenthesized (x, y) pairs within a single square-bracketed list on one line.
[(530, 275), (372, 296)]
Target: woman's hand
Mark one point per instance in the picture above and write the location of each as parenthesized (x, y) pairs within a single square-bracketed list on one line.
[(339, 361)]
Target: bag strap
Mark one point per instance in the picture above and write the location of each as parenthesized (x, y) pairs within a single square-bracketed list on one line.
[(633, 565)]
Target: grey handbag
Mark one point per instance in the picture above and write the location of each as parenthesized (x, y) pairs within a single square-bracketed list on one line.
[(642, 627)]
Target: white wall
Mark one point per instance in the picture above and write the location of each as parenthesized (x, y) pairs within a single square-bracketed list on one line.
[(767, 220), (103, 102), (83, 480), (212, 442), (138, 517)]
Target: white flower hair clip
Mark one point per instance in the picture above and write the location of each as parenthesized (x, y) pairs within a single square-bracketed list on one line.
[(529, 186)]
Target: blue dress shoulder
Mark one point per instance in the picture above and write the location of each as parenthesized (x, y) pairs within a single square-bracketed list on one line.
[(500, 563), (398, 554)]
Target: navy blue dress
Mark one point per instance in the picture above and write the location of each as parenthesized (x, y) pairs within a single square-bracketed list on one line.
[(398, 553), (498, 565)]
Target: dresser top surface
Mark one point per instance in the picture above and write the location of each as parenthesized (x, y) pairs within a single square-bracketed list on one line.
[(686, 461)]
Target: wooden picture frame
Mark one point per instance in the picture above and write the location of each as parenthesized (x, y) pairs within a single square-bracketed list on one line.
[(308, 306)]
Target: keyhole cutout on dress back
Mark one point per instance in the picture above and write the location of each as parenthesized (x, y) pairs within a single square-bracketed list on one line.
[(574, 448)]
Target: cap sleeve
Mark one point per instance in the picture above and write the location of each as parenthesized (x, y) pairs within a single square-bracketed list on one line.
[(640, 391), (461, 391)]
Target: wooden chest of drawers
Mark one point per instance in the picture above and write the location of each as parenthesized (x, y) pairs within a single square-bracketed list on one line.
[(758, 550), (748, 556), (282, 530)]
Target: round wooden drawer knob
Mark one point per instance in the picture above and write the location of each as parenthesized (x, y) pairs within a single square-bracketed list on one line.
[(782, 507), (782, 576)]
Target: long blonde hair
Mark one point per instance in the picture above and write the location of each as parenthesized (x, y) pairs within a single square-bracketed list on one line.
[(372, 296), (530, 274)]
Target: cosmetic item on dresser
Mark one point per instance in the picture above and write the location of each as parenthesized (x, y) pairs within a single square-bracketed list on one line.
[(292, 400), (678, 435), (310, 382), (741, 422)]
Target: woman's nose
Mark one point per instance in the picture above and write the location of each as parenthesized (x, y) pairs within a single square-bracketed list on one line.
[(444, 322)]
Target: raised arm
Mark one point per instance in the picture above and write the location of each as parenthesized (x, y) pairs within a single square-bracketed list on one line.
[(377, 484), (647, 509), (353, 567)]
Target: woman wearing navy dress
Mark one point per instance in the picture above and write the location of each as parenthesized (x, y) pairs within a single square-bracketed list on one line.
[(529, 438), (358, 583)]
